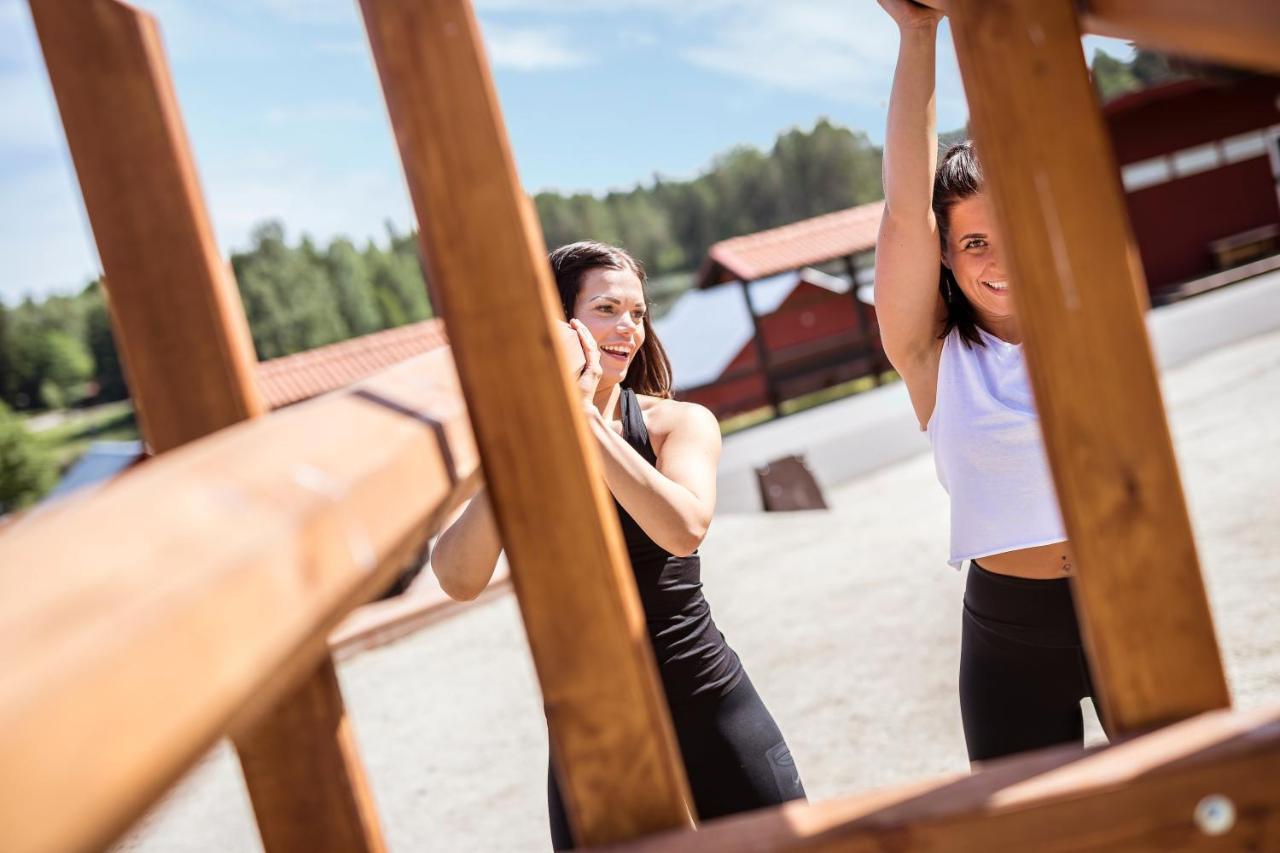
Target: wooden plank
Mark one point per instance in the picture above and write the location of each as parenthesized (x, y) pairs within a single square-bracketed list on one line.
[(217, 572), (1138, 795), (384, 622), (281, 751), (608, 721), (183, 339), (1242, 33), (1052, 178)]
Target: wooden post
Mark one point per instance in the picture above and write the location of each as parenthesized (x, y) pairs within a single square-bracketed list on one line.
[(174, 306), (1080, 296), (309, 795), (186, 348), (122, 670), (762, 350), (1241, 32), (867, 341), (610, 730)]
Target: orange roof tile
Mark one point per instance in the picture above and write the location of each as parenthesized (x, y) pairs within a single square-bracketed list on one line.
[(800, 244), (303, 375)]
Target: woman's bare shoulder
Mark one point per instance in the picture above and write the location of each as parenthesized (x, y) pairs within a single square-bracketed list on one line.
[(663, 416)]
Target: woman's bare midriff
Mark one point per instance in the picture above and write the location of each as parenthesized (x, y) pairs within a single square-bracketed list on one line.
[(1040, 563)]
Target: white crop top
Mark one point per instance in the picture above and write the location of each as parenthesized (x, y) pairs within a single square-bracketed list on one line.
[(988, 451)]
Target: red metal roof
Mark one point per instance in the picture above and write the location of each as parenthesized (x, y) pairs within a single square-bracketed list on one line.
[(303, 375), (800, 244)]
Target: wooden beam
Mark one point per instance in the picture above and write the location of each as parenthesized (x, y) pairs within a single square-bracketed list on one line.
[(1138, 795), (1079, 292), (609, 726), (335, 811), (175, 310), (423, 604), (870, 342), (184, 340), (215, 574), (764, 365), (1242, 33)]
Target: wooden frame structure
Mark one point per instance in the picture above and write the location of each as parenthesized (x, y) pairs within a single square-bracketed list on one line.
[(191, 598)]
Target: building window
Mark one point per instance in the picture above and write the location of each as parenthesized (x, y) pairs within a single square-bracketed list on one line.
[(1191, 161), (1145, 173), (1246, 146)]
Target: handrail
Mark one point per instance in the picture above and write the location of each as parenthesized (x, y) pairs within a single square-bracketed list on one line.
[(1176, 788), (173, 606)]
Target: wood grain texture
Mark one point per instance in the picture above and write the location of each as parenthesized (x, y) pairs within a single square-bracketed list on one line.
[(185, 599), (185, 345), (609, 725), (183, 338), (305, 794), (1243, 33), (1077, 285), (1138, 795)]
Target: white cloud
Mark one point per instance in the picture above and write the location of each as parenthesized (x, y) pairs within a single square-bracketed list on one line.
[(244, 192), (531, 49), (838, 49), (831, 48), (825, 47)]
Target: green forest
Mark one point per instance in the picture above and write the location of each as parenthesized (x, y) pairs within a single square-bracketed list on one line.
[(299, 295), (58, 352)]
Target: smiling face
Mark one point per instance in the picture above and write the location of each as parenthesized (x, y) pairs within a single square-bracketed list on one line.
[(973, 253), (610, 303)]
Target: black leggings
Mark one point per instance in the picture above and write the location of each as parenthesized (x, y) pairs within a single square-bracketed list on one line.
[(1023, 669), (733, 752)]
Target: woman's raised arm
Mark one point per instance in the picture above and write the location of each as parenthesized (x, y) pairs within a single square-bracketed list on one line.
[(908, 304)]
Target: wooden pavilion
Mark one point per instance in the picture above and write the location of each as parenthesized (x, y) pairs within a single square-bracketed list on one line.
[(846, 238)]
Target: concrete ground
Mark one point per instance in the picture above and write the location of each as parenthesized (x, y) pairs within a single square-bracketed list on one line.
[(847, 620)]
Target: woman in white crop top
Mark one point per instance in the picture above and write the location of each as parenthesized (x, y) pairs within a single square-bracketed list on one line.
[(949, 327)]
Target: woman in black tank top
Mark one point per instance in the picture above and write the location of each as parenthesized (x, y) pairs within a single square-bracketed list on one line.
[(659, 460)]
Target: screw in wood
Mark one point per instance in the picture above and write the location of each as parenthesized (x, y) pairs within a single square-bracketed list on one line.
[(1215, 814)]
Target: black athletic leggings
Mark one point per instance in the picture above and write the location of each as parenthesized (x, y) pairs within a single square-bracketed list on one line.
[(1023, 669), (733, 753)]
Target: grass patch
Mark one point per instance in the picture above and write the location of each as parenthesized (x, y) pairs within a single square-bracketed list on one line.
[(71, 438)]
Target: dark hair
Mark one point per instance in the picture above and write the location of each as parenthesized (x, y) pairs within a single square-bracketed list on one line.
[(959, 176), (650, 371)]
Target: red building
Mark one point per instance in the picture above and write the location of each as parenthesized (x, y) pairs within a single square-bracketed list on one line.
[(760, 302), (1200, 163)]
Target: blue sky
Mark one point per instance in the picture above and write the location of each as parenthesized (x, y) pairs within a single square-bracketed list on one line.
[(286, 119)]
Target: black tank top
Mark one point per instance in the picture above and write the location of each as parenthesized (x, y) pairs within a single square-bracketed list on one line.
[(693, 657)]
